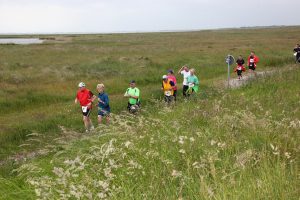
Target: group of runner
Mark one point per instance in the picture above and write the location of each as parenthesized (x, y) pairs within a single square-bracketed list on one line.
[(251, 63), (169, 87), (169, 83)]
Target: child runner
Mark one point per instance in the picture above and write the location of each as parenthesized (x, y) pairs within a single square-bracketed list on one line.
[(103, 104), (240, 66)]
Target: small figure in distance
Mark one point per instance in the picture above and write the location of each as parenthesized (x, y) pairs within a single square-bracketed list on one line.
[(168, 89), (103, 105), (172, 77), (193, 83), (252, 61), (134, 97), (184, 71), (297, 53), (240, 66), (85, 98)]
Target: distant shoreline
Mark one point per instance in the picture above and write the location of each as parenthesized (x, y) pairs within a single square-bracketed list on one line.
[(160, 31)]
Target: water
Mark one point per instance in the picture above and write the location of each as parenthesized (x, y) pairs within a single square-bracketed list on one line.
[(20, 41)]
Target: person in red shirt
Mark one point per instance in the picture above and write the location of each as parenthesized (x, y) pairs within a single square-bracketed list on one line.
[(85, 98), (252, 61)]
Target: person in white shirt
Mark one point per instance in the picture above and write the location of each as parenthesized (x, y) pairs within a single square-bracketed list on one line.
[(184, 70)]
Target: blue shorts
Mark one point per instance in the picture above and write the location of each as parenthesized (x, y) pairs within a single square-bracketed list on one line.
[(102, 112)]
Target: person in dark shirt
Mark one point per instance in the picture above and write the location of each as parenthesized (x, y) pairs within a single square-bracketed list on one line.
[(103, 105), (297, 53), (240, 66), (240, 61)]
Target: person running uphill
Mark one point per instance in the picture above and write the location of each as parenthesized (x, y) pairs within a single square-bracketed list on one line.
[(252, 61), (173, 78), (134, 97), (85, 98), (193, 83), (168, 89), (297, 53), (103, 105), (240, 66), (184, 70)]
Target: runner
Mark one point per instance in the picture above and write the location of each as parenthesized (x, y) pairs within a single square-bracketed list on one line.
[(173, 78), (134, 97), (168, 89), (103, 105), (297, 53), (85, 98), (193, 83), (184, 70), (252, 61), (240, 66)]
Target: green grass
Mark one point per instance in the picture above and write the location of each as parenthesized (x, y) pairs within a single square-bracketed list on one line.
[(234, 144)]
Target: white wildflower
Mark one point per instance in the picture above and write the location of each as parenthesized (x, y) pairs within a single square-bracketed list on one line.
[(101, 195), (182, 151), (287, 155), (127, 144), (176, 173), (196, 165), (192, 139), (212, 142), (221, 145)]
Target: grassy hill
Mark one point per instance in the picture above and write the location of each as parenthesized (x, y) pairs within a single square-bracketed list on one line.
[(224, 144)]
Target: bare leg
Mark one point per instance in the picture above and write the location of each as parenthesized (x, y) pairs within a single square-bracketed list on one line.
[(107, 120), (86, 122), (99, 119)]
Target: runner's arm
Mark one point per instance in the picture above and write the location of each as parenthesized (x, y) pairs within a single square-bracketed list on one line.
[(179, 71)]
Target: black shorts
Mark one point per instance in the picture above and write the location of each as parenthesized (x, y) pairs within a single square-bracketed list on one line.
[(174, 94), (169, 99), (184, 89), (87, 113), (252, 67), (239, 72)]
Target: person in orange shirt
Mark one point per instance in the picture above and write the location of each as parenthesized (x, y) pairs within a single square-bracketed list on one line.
[(168, 89)]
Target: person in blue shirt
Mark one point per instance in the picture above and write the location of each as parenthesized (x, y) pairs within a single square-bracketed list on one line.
[(103, 104)]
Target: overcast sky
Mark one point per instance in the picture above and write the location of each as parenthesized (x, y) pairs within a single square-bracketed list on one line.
[(53, 16)]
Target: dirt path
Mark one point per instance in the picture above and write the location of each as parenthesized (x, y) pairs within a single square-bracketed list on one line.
[(236, 83)]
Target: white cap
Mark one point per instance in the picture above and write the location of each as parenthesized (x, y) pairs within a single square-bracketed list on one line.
[(81, 84), (164, 77)]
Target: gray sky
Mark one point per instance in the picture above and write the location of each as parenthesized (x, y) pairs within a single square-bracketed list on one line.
[(52, 16)]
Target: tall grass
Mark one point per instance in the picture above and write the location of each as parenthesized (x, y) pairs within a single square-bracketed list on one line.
[(231, 146), (192, 151)]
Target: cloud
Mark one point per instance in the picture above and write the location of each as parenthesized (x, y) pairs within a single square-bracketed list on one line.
[(141, 15)]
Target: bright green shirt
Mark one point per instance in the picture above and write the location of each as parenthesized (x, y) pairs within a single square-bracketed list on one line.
[(133, 92), (194, 80)]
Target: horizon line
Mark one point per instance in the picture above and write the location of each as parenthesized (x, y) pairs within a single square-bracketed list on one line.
[(153, 31)]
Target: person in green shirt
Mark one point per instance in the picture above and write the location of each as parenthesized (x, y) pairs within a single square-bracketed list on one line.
[(193, 82), (134, 97)]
